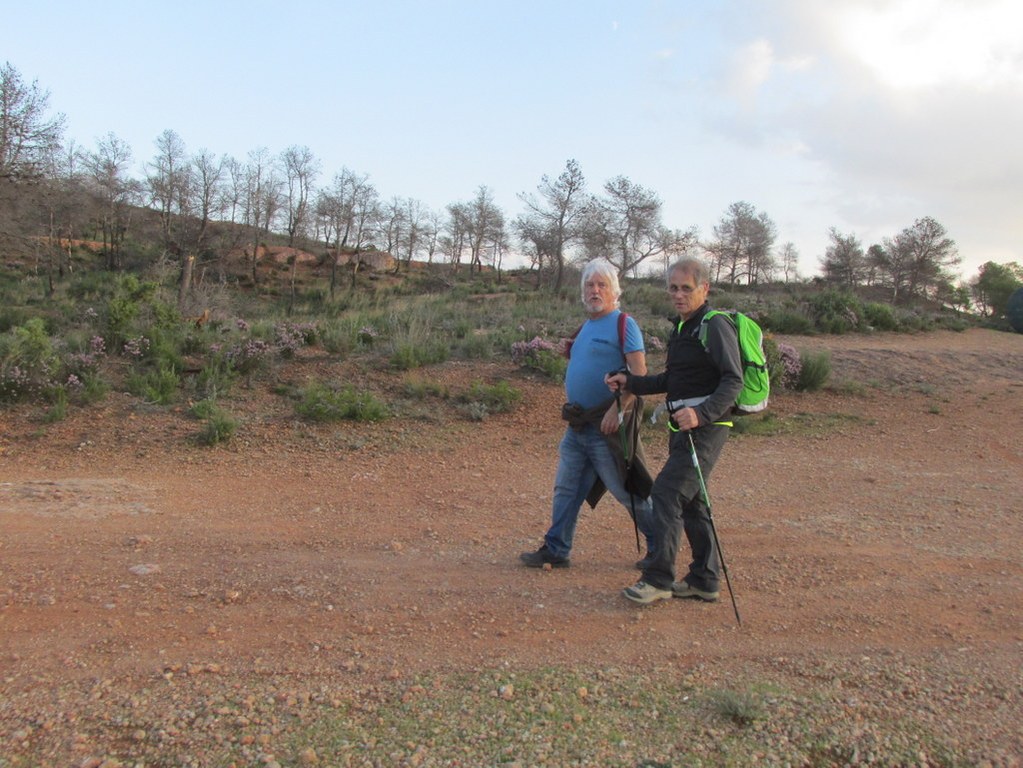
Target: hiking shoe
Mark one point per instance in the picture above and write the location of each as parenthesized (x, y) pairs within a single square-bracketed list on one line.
[(644, 593), (542, 557), (687, 592)]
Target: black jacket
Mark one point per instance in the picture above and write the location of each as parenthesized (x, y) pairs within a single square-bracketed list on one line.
[(692, 370)]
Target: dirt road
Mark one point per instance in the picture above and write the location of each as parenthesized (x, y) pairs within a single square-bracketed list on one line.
[(877, 547)]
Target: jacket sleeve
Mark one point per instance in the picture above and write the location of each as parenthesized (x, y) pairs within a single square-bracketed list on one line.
[(723, 348), (647, 385)]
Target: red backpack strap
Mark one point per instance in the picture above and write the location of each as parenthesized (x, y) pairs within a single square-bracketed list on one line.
[(622, 318), (568, 344)]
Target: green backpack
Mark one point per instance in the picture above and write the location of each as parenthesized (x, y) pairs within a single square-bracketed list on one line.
[(756, 379)]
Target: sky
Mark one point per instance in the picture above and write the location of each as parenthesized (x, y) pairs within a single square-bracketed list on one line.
[(858, 115)]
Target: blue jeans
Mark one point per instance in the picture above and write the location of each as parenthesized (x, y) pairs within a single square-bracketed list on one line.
[(582, 457)]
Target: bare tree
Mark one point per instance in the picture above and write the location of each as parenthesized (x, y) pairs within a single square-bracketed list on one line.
[(676, 244), (624, 226), (108, 167), (392, 228), (168, 178), (844, 262), (484, 226), (455, 238), (207, 202), (66, 207), (27, 137), (366, 217), (552, 221), (416, 218), (347, 210), (262, 201), (234, 190), (789, 263), (300, 171), (431, 235), (741, 249)]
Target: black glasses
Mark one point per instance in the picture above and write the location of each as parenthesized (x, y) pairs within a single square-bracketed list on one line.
[(686, 289)]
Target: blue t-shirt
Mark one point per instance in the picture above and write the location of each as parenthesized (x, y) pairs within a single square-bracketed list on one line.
[(596, 352)]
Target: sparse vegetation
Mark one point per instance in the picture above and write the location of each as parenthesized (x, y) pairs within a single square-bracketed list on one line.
[(814, 370), (319, 402)]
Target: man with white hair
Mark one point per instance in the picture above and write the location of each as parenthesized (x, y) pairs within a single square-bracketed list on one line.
[(590, 453)]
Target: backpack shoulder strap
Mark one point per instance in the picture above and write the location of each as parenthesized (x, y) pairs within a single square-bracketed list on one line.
[(622, 319), (571, 340), (702, 332)]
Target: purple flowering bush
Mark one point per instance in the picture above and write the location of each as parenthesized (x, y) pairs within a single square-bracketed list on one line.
[(247, 357), (791, 365), (82, 364), (540, 355), (291, 337), (28, 362), (783, 362)]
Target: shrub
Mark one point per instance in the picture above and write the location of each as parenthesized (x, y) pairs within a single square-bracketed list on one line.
[(290, 337), (91, 388), (814, 371), (477, 346), (124, 306), (408, 354), (540, 355), (787, 321), (321, 403), (28, 362), (337, 338), (742, 708), (482, 399), (249, 356), (836, 311), (879, 316), (58, 409), (421, 388), (159, 387), (216, 376), (86, 362), (784, 363), (218, 425)]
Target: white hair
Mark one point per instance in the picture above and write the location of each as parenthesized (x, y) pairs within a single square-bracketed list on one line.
[(606, 269)]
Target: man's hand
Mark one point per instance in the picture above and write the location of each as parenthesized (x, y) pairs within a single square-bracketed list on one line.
[(616, 381), (686, 419)]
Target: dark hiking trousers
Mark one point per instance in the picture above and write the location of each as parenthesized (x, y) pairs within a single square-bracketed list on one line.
[(678, 505)]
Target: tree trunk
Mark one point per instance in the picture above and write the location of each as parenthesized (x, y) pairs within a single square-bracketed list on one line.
[(185, 285)]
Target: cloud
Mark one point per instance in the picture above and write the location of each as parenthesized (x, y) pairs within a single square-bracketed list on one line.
[(907, 109), (751, 68)]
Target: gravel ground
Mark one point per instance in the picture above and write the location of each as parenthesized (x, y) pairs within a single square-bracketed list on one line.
[(350, 594)]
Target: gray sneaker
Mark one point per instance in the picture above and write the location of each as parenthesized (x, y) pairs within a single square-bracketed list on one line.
[(685, 591), (644, 593)]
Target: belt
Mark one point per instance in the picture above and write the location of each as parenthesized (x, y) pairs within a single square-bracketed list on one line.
[(674, 405), (686, 402)]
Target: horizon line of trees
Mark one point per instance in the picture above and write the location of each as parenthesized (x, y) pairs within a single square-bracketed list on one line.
[(53, 192)]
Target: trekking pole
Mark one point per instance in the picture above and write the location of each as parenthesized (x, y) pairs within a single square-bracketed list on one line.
[(625, 454), (713, 530)]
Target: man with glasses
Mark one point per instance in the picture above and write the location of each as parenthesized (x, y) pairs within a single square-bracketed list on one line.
[(701, 379)]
